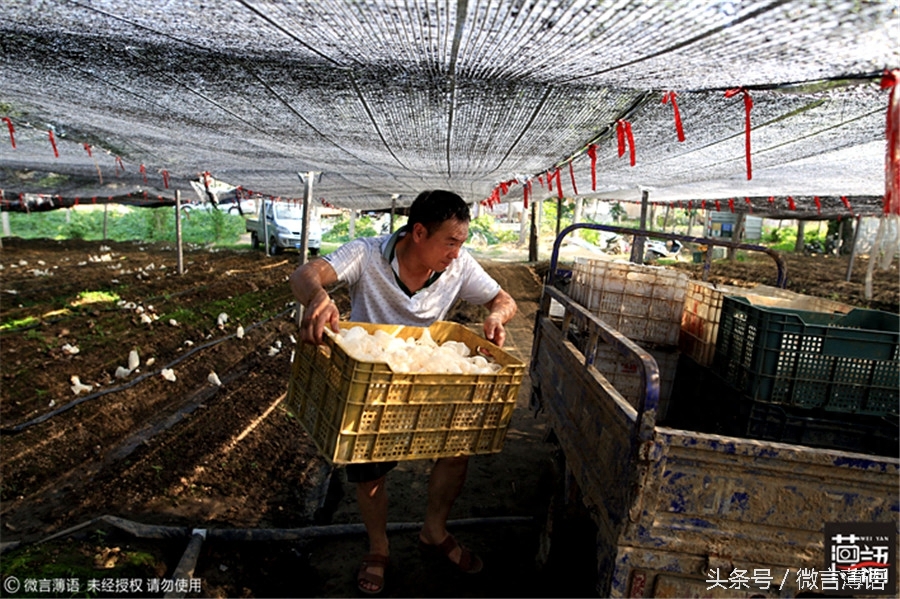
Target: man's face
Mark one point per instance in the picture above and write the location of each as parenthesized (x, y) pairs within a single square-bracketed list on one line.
[(442, 247)]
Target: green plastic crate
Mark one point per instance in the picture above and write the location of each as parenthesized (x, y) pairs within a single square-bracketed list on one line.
[(840, 363)]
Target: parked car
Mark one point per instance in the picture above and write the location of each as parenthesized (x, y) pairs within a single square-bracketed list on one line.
[(282, 228)]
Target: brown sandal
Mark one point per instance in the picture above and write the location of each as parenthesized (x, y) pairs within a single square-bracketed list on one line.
[(369, 561), (469, 563)]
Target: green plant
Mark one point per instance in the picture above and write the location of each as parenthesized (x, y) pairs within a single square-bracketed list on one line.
[(124, 224), (340, 232), (19, 323), (95, 297), (484, 225)]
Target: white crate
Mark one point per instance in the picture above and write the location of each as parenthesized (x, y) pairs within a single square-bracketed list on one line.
[(642, 302)]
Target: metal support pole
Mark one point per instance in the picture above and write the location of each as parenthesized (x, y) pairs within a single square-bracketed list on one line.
[(853, 248), (264, 217), (179, 250), (637, 246), (304, 229), (533, 236), (393, 209)]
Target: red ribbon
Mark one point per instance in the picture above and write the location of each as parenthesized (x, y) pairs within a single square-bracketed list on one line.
[(749, 205), (87, 148), (12, 131), (53, 142), (748, 104), (541, 180), (623, 132), (731, 204), (690, 204), (118, 164), (890, 81), (526, 191), (165, 175), (592, 152), (143, 170), (549, 181), (791, 204), (702, 204), (504, 188), (559, 192), (718, 208), (772, 200), (572, 176), (847, 204), (670, 96), (818, 204)]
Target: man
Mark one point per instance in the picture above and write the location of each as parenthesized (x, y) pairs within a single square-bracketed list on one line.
[(412, 277)]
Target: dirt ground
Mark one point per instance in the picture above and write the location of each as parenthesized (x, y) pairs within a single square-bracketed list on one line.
[(191, 454)]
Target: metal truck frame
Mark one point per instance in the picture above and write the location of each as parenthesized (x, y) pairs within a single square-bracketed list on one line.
[(675, 507)]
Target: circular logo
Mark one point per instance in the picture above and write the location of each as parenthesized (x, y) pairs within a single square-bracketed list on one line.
[(11, 585)]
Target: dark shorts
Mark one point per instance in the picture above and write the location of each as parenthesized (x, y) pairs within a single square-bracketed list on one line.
[(363, 473)]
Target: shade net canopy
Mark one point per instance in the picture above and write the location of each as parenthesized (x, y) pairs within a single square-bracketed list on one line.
[(128, 99)]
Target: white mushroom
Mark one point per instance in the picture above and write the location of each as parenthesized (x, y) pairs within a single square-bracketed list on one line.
[(133, 360), (78, 387)]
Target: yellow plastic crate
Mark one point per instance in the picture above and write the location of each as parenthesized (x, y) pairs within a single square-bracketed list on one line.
[(358, 412)]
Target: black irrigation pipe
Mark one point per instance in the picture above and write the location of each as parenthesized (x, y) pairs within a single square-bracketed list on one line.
[(159, 532), (188, 562), (13, 430)]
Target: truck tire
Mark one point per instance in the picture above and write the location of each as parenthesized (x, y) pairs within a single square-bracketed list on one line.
[(273, 247), (254, 240)]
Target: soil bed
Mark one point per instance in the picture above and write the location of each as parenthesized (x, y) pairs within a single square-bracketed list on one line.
[(192, 454)]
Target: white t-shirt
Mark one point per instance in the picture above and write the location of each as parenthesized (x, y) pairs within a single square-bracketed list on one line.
[(375, 295)]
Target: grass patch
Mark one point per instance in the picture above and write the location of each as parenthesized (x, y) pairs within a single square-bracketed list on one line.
[(95, 297), (19, 323), (69, 568)]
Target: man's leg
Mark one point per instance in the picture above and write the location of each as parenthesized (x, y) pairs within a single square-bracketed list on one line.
[(444, 486), (373, 506)]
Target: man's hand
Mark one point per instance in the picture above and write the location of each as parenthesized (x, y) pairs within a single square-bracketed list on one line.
[(320, 312), (503, 308), (308, 284), (494, 331)]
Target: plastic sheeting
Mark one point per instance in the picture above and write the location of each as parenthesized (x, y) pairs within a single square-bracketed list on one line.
[(387, 98)]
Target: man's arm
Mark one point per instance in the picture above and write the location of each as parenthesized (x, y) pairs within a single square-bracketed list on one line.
[(308, 284), (502, 309)]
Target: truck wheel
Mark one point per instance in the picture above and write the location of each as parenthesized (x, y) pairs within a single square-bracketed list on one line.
[(273, 247), (254, 241)]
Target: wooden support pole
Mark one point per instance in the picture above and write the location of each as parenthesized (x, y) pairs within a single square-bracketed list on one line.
[(178, 242)]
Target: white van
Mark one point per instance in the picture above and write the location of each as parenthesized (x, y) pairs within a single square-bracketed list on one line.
[(283, 227)]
